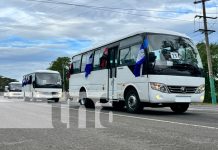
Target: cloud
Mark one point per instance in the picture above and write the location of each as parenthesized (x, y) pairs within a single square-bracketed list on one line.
[(34, 33)]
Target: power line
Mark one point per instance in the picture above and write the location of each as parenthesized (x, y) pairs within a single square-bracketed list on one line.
[(103, 7), (109, 10), (112, 8)]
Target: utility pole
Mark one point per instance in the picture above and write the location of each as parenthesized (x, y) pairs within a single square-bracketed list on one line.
[(206, 32)]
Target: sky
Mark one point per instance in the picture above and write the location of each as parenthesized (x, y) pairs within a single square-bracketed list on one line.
[(33, 34)]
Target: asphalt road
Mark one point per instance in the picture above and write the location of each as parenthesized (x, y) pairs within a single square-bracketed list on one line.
[(62, 126)]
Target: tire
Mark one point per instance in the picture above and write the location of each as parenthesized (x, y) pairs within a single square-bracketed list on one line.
[(180, 108), (33, 99), (56, 100), (118, 105), (132, 102), (88, 103), (26, 99)]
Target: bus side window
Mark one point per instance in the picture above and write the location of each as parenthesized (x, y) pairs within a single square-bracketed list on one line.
[(104, 59), (85, 60), (97, 56), (76, 64), (128, 56), (83, 63), (124, 56)]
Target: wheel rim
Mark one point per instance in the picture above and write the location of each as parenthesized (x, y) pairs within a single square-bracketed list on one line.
[(132, 102)]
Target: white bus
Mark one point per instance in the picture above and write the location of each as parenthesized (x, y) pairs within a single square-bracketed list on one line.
[(42, 84), (14, 90), (154, 68)]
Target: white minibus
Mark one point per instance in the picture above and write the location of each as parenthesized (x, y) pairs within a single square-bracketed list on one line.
[(153, 68), (42, 84), (6, 92), (14, 90)]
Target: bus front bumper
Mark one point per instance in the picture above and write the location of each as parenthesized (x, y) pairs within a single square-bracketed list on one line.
[(15, 95), (159, 97), (47, 95)]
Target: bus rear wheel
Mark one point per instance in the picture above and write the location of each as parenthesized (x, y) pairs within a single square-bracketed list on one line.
[(179, 108), (132, 102), (56, 100), (83, 100), (88, 103), (26, 99)]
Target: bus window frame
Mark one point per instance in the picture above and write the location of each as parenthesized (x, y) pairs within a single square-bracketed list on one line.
[(99, 68), (110, 45), (79, 64), (82, 62), (91, 51), (129, 46)]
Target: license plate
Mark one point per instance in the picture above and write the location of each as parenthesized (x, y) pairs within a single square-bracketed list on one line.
[(183, 99)]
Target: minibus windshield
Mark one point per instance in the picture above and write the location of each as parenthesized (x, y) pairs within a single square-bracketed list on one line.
[(48, 80), (174, 55)]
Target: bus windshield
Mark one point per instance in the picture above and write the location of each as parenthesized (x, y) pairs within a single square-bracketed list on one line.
[(174, 56), (15, 87), (48, 80)]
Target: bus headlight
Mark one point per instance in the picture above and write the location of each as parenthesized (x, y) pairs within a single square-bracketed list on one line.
[(159, 87), (200, 89)]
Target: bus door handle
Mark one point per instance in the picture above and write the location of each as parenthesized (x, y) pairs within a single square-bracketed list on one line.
[(120, 68)]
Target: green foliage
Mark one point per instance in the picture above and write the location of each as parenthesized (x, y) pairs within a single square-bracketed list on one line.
[(60, 65), (214, 54)]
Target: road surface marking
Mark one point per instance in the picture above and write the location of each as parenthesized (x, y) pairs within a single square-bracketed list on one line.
[(149, 119), (5, 101)]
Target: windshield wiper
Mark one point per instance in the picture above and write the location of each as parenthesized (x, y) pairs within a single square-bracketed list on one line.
[(193, 69), (50, 85)]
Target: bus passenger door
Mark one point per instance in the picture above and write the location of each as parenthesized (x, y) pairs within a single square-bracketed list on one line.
[(112, 73)]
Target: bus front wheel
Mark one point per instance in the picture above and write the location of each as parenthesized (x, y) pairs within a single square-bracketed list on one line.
[(132, 102), (179, 108)]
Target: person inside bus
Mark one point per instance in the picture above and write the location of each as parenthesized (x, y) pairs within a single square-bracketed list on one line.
[(104, 59)]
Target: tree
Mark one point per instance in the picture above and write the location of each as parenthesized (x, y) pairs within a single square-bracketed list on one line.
[(214, 54), (60, 65)]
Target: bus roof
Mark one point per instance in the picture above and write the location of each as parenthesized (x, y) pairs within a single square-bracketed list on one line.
[(14, 83), (46, 71), (160, 31), (43, 71)]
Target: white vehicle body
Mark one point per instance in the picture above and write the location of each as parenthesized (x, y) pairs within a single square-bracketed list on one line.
[(162, 82), (42, 84), (15, 90), (6, 92)]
